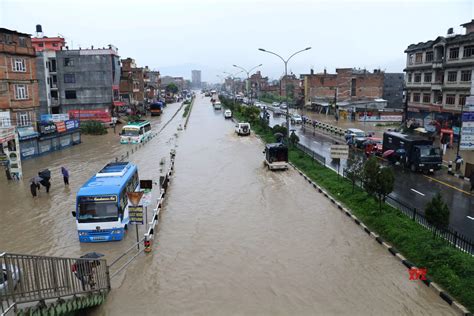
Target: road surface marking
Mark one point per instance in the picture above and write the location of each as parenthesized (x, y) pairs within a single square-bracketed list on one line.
[(470, 217), (447, 184), (418, 192)]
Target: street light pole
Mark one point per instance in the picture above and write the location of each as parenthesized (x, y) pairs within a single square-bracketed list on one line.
[(285, 62), (248, 77)]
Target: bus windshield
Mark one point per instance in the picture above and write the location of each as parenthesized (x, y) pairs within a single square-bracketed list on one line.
[(130, 131), (97, 212)]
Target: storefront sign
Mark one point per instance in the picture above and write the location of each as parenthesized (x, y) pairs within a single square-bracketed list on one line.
[(91, 115), (135, 214), (27, 132), (47, 128), (382, 118), (60, 127), (7, 134), (71, 124)]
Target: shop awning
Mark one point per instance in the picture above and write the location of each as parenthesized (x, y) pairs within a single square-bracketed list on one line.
[(27, 132)]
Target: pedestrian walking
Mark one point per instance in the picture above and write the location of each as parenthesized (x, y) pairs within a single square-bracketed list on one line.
[(65, 173), (8, 174), (33, 189)]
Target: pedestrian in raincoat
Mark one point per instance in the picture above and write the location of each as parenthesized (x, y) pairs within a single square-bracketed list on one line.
[(65, 173), (33, 189)]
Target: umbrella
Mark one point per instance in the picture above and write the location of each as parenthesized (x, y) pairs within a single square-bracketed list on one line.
[(388, 153), (36, 180), (92, 255)]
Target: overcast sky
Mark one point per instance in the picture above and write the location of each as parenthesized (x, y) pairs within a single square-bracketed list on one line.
[(179, 35)]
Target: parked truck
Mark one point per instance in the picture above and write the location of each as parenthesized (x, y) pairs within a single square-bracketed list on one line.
[(414, 152)]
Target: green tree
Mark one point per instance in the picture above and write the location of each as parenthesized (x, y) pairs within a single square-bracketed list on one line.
[(437, 213), (371, 169), (384, 180), (172, 87), (355, 169), (294, 139)]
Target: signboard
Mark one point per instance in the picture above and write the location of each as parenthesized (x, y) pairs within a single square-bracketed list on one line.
[(54, 117), (91, 115), (381, 118), (71, 124), (339, 151), (98, 199), (146, 184), (135, 213), (134, 197), (467, 135), (7, 134), (60, 127), (47, 128)]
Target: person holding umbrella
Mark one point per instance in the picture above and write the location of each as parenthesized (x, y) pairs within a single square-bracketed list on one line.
[(65, 174), (84, 269)]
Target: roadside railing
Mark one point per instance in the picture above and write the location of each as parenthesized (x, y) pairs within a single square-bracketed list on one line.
[(33, 279), (312, 153)]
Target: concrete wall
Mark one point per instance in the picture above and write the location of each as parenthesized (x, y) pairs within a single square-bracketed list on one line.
[(393, 89)]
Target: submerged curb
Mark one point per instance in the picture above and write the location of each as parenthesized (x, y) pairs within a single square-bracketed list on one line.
[(432, 285)]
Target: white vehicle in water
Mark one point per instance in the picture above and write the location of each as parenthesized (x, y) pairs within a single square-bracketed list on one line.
[(296, 119), (217, 105), (135, 132), (227, 114), (242, 129)]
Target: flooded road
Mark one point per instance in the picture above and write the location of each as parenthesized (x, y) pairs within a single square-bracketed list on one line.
[(44, 225), (235, 238)]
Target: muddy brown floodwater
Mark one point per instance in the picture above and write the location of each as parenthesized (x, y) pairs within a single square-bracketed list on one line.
[(236, 239)]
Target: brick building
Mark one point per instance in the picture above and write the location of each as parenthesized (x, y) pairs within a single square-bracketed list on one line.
[(290, 85), (152, 84), (438, 78), (350, 89), (257, 84), (18, 82)]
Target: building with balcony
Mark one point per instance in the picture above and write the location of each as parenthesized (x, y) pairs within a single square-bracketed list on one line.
[(438, 77), (18, 82)]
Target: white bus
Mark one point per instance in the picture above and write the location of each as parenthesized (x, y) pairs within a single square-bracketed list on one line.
[(135, 132)]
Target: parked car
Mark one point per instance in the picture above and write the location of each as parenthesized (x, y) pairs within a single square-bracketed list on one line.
[(242, 129), (283, 106), (373, 146), (14, 273), (296, 119), (275, 104), (227, 114), (217, 105), (355, 136)]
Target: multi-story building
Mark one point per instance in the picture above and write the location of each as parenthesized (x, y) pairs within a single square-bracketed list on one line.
[(196, 79), (349, 90), (18, 82), (438, 77), (89, 80), (178, 81), (258, 84), (393, 85), (132, 82), (153, 84), (290, 86), (46, 69)]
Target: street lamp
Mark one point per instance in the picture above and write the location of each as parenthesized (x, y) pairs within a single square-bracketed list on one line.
[(248, 77), (286, 73)]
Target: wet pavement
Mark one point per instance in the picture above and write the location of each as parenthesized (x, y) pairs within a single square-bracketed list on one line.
[(235, 238), (412, 189)]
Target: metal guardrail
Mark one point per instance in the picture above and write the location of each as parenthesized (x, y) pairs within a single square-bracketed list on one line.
[(34, 279), (312, 153)]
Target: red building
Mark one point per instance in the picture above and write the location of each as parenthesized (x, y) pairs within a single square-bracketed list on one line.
[(48, 43)]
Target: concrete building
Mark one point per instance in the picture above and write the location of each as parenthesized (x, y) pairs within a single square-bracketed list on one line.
[(178, 81), (393, 85), (196, 79), (438, 78), (19, 101), (89, 79)]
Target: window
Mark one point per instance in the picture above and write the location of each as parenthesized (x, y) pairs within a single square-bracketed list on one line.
[(8, 39), (450, 99), (40, 45), (3, 87), (353, 87), (427, 77), (466, 75), (55, 44), (409, 77), (468, 51), (68, 62), (416, 97), (462, 99), (21, 92), (23, 119), (18, 64), (454, 53), (429, 57), (70, 94), (410, 59), (54, 94), (408, 97), (426, 98), (52, 65), (418, 58), (69, 78), (22, 41), (452, 76), (417, 77)]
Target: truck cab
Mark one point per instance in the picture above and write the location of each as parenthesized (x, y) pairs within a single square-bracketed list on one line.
[(242, 129)]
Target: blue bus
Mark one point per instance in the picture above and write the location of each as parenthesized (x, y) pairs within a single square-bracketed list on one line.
[(102, 204)]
